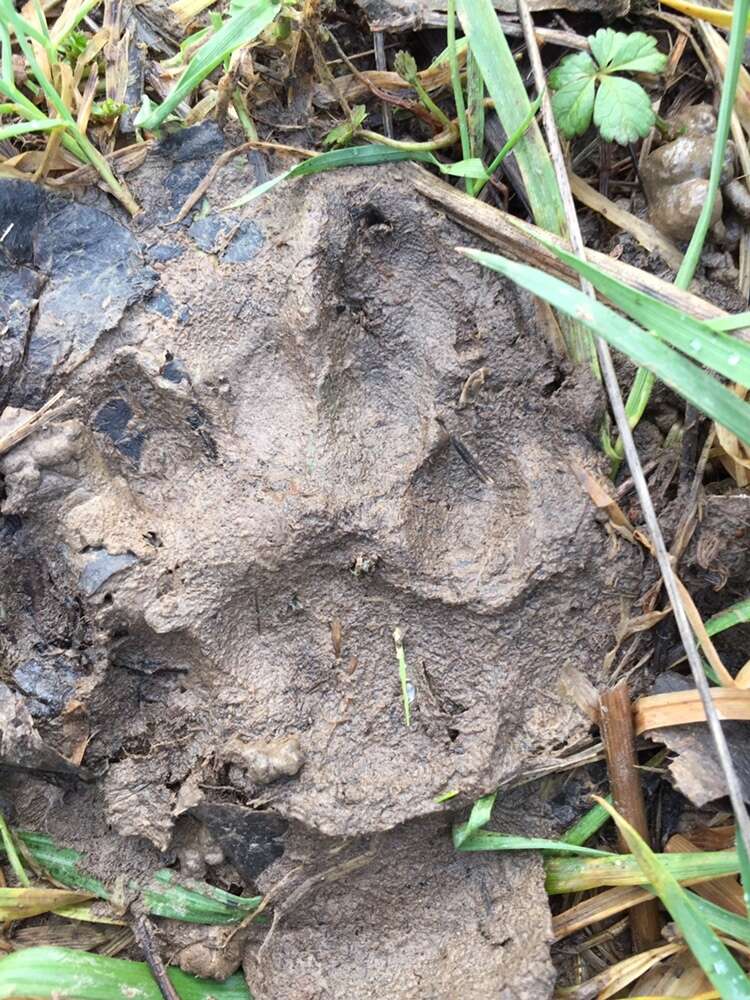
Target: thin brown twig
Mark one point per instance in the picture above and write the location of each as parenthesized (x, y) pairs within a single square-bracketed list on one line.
[(400, 102), (143, 931), (197, 193), (381, 64)]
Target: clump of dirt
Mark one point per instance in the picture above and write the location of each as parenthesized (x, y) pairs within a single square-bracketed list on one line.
[(262, 472)]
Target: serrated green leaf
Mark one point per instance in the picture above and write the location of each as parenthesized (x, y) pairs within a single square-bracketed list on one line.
[(617, 52), (406, 66), (573, 106), (604, 45), (573, 67), (622, 110)]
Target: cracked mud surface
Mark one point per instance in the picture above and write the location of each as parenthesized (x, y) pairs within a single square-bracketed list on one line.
[(248, 491)]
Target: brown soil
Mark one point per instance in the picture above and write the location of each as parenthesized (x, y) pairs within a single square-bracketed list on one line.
[(249, 491)]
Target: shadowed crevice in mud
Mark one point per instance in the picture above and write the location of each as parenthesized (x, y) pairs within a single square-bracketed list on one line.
[(252, 487)]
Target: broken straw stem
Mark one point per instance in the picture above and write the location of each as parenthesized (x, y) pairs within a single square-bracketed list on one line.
[(398, 638), (631, 453), (618, 736)]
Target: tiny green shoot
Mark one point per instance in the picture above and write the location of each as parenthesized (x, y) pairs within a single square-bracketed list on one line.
[(398, 638), (343, 134), (446, 796), (406, 66)]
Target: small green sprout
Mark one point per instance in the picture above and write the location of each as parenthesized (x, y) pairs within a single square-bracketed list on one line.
[(587, 88), (107, 110), (406, 66), (343, 134), (73, 46)]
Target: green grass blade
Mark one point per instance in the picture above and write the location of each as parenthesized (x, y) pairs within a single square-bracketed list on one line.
[(458, 93), (12, 854), (727, 323), (640, 391), (504, 84), (712, 955), (244, 23), (735, 55), (725, 921), (735, 614), (24, 31), (163, 896), (205, 904), (512, 106), (22, 128), (509, 145), (589, 824), (675, 370), (488, 840), (475, 110), (744, 870), (359, 156), (727, 355), (50, 973), (581, 874), (62, 863), (481, 813), (403, 675)]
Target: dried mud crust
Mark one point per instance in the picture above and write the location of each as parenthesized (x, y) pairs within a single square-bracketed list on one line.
[(250, 490), (419, 922)]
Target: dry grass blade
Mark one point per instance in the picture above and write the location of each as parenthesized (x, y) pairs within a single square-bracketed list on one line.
[(597, 908), (721, 18), (678, 976), (733, 453), (719, 965), (72, 13), (679, 708), (615, 978), (188, 10), (739, 23), (20, 904), (704, 638), (29, 424), (719, 49)]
